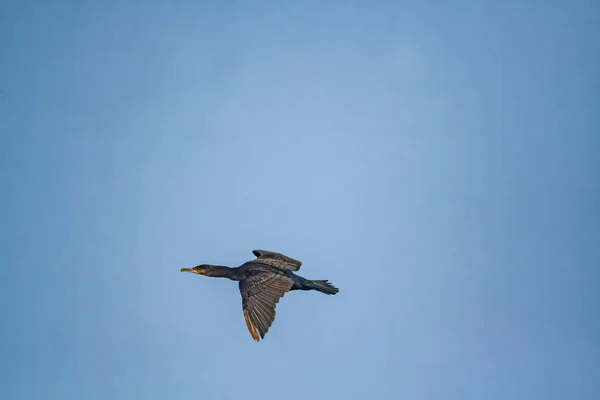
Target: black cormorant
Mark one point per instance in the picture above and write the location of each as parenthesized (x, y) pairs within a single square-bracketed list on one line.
[(263, 282)]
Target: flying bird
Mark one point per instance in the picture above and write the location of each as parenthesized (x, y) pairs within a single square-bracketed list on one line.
[(263, 281)]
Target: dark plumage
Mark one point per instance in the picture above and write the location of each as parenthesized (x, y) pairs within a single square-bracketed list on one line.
[(263, 282)]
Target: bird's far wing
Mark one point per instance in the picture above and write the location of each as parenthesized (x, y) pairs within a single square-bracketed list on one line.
[(276, 260), (260, 295)]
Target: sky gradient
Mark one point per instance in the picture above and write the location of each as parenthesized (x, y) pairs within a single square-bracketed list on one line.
[(437, 161)]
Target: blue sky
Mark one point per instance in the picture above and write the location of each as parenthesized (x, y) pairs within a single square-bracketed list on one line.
[(437, 161)]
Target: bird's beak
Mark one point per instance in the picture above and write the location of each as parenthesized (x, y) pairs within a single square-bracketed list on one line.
[(187, 270)]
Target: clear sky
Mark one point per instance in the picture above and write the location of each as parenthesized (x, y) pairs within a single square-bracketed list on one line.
[(437, 161)]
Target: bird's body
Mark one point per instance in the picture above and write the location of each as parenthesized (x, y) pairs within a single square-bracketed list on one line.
[(262, 283)]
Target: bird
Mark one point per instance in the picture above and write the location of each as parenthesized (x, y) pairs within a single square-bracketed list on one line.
[(262, 283)]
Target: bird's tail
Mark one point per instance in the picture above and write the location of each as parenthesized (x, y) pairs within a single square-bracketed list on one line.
[(324, 286)]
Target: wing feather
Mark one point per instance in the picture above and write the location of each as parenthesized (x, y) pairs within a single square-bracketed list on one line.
[(277, 260), (260, 295)]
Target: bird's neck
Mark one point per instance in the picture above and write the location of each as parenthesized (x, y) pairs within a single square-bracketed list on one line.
[(218, 271)]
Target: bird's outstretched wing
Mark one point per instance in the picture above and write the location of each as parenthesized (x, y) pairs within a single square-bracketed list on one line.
[(276, 260), (260, 294)]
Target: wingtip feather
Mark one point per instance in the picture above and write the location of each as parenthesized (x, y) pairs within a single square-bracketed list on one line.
[(251, 327)]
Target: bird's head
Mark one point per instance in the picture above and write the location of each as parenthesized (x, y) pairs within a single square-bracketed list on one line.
[(203, 269)]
